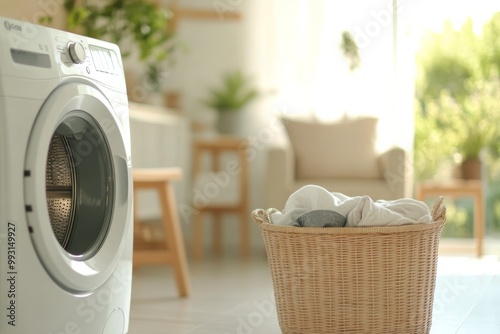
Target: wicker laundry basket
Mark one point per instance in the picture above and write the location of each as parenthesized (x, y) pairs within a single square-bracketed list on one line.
[(353, 279)]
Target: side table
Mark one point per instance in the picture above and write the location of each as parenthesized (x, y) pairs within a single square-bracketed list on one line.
[(459, 188)]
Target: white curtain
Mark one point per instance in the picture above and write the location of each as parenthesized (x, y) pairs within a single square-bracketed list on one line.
[(296, 50)]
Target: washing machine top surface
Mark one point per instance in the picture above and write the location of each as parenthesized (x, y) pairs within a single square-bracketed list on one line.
[(30, 52)]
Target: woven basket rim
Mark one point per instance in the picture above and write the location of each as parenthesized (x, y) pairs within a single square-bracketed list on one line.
[(352, 230)]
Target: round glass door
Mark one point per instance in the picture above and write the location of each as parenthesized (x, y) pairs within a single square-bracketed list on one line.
[(79, 185)]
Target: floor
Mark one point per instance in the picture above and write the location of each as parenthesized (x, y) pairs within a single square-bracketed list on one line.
[(234, 297)]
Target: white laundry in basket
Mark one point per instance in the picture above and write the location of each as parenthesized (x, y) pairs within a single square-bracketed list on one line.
[(359, 210)]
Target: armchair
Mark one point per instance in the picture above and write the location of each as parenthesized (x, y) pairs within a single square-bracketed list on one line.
[(340, 157)]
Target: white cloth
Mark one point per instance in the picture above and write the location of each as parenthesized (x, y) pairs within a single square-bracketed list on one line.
[(359, 210)]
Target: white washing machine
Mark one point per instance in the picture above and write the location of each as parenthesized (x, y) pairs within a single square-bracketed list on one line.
[(65, 184)]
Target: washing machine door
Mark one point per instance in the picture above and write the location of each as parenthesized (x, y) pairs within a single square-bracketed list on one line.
[(77, 187)]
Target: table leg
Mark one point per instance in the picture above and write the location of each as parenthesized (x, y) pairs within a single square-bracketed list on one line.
[(479, 222)]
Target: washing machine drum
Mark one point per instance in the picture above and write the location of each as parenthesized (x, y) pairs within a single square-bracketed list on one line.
[(78, 187), (79, 211)]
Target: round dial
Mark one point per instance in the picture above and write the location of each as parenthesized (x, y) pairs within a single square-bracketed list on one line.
[(76, 52)]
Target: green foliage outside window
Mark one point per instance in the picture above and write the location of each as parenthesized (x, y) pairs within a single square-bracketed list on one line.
[(457, 106), (457, 95)]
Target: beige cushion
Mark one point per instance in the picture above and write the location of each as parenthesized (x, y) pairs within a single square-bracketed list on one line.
[(344, 149)]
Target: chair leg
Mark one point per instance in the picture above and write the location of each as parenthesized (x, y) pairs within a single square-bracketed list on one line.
[(217, 233), (245, 235), (137, 227), (175, 239)]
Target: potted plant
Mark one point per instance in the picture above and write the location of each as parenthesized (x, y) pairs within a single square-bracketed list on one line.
[(229, 99), (135, 25), (472, 123)]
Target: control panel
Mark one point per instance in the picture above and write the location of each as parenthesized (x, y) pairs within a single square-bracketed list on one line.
[(78, 54), (34, 52)]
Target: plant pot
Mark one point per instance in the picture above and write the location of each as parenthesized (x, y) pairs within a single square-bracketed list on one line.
[(471, 169), (228, 122)]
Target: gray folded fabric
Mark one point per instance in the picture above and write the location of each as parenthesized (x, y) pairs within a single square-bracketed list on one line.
[(320, 218)]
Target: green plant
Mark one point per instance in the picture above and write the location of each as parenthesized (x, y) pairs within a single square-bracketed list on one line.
[(350, 50), (233, 95), (470, 125), (134, 25), (477, 119)]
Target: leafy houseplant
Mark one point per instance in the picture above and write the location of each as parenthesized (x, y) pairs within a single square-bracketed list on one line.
[(471, 124), (233, 95), (228, 99), (475, 123), (132, 24)]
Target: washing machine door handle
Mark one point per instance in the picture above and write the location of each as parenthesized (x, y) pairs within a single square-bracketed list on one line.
[(123, 179)]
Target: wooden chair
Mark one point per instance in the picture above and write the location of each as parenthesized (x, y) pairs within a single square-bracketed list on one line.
[(170, 250), (235, 167)]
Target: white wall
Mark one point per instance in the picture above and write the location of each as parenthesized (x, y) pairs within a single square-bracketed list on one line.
[(214, 48)]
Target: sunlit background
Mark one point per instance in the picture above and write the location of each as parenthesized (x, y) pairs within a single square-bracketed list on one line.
[(291, 51)]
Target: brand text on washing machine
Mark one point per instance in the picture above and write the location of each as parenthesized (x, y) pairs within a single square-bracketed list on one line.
[(11, 26), (11, 273)]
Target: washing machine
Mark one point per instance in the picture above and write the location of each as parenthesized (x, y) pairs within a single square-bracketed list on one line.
[(65, 184)]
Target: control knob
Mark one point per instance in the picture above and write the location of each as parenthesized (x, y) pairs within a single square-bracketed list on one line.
[(76, 52)]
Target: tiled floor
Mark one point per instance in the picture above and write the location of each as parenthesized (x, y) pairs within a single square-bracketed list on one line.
[(467, 297), (234, 297)]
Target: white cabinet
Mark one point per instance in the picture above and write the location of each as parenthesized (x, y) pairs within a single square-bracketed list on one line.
[(160, 137)]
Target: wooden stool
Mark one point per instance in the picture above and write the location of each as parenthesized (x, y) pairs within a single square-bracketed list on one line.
[(214, 147), (171, 249)]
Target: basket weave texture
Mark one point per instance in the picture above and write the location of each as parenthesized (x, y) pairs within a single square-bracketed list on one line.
[(353, 279)]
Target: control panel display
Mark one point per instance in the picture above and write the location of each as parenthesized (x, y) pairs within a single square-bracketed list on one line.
[(30, 58), (105, 60)]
